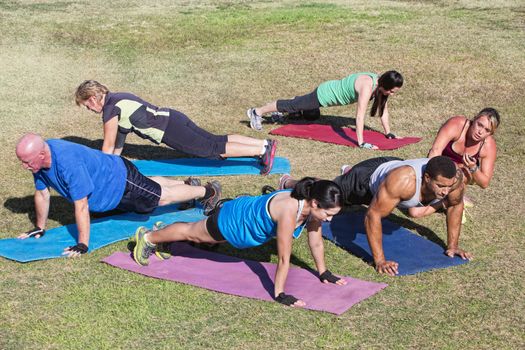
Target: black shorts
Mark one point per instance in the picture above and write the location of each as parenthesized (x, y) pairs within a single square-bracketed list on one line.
[(212, 225), (184, 135), (297, 104), (355, 184), (141, 195)]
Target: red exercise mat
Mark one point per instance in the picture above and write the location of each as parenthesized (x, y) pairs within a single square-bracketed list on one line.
[(341, 136)]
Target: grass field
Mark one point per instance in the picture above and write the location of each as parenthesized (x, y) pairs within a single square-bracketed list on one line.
[(212, 60)]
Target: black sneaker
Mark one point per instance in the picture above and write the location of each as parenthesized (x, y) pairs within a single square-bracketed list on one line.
[(268, 157)]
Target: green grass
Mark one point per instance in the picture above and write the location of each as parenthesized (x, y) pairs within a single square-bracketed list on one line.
[(212, 59)]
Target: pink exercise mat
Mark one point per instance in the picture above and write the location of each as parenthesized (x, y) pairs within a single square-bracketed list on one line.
[(247, 278), (341, 136)]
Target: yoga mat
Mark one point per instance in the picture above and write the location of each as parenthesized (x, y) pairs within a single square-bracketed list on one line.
[(341, 136), (208, 167), (247, 278), (104, 231), (413, 253)]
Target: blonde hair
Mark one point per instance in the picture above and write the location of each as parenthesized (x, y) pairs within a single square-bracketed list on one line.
[(89, 88), (493, 116)]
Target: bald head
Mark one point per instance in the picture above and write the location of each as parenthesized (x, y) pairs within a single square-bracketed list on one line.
[(33, 152)]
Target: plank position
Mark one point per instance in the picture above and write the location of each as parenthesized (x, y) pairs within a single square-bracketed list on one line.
[(357, 87), (98, 182), (422, 186), (251, 221), (123, 113)]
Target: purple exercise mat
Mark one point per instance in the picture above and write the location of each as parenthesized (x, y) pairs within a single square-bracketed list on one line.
[(247, 278)]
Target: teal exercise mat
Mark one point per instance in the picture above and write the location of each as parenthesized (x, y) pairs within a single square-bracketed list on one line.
[(104, 231), (413, 253), (208, 167)]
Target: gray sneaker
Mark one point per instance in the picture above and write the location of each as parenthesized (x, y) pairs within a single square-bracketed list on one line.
[(255, 120), (210, 202)]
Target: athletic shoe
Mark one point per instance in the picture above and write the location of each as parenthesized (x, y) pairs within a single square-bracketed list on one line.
[(268, 156), (282, 181), (345, 168), (143, 250), (163, 251), (210, 202), (190, 181), (255, 120)]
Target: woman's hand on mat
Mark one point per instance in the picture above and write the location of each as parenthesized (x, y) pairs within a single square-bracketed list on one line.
[(289, 300), (451, 252), (388, 267), (329, 277)]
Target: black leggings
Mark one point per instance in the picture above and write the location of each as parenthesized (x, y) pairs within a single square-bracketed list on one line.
[(184, 135), (306, 102)]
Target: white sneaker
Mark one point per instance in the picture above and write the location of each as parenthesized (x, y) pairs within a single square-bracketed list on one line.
[(255, 120)]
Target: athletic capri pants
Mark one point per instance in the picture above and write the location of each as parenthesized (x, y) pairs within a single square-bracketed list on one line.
[(299, 103), (141, 194), (355, 184), (184, 135)]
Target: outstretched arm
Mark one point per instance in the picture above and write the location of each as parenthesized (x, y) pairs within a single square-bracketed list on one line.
[(454, 215), (398, 185), (83, 220), (363, 87), (110, 137), (315, 242), (41, 209), (385, 119)]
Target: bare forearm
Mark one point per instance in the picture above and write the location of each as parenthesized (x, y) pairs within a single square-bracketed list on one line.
[(454, 214), (41, 208), (280, 275), (317, 250), (374, 234), (83, 221), (385, 121)]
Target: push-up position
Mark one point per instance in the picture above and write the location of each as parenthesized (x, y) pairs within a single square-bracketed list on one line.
[(98, 182), (251, 221), (123, 113), (422, 186), (358, 87)]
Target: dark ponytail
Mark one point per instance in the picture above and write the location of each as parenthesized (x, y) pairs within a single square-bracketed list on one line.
[(326, 193), (387, 81)]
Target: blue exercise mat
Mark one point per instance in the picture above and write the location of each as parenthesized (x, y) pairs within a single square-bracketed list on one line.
[(104, 231), (413, 253), (208, 167)]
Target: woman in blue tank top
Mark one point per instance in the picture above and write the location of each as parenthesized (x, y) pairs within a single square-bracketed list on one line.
[(251, 221)]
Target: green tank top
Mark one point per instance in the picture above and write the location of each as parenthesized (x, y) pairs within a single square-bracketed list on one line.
[(341, 92)]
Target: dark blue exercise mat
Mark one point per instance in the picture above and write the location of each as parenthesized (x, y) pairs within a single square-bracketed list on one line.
[(208, 167), (104, 231), (413, 253)]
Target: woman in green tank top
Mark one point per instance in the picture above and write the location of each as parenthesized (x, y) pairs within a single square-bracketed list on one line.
[(357, 87)]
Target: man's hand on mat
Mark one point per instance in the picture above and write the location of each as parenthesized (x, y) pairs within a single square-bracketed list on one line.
[(451, 252), (388, 267), (329, 277), (75, 251)]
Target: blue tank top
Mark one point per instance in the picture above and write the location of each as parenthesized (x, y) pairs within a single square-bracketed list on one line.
[(246, 222)]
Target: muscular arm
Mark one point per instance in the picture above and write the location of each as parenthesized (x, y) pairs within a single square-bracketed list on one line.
[(484, 174), (450, 131), (454, 214), (397, 186)]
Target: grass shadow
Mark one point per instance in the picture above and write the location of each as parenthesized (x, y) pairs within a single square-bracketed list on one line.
[(132, 151), (60, 209)]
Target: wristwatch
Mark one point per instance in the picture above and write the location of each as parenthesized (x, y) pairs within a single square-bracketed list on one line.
[(473, 170)]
